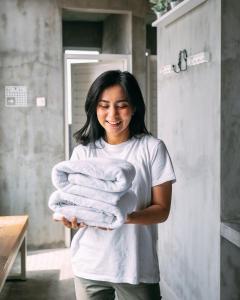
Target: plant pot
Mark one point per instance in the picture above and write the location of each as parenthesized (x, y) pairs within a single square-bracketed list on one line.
[(174, 3), (160, 13)]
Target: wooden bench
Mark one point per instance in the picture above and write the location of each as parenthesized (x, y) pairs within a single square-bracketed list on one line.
[(13, 230)]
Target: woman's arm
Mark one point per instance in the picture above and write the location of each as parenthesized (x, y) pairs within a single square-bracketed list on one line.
[(159, 209), (157, 212)]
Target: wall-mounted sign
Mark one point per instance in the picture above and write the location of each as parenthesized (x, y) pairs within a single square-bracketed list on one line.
[(16, 96)]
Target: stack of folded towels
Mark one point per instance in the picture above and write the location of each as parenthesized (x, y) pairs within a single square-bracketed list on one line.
[(96, 191)]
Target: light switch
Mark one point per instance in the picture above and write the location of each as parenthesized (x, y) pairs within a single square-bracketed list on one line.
[(41, 101)]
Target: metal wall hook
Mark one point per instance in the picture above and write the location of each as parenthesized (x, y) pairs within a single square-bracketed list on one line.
[(182, 62), (184, 56)]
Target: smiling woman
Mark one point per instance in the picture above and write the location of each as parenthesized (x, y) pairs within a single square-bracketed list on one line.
[(112, 92), (114, 114), (123, 260)]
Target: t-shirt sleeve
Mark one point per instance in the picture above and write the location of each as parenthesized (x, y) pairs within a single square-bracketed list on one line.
[(74, 155), (162, 168)]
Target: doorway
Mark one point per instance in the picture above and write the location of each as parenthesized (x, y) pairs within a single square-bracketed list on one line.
[(79, 73)]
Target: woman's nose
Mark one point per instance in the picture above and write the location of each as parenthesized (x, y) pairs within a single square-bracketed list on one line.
[(112, 111)]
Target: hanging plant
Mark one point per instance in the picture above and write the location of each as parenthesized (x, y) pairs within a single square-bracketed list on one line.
[(159, 7)]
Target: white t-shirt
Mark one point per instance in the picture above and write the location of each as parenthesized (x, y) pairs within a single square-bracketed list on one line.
[(127, 254)]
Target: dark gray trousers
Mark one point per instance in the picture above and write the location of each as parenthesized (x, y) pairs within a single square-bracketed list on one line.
[(102, 290)]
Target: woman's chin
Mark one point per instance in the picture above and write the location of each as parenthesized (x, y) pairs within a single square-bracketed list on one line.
[(110, 128)]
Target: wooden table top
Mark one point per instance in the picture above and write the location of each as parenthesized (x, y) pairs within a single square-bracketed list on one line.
[(12, 229)]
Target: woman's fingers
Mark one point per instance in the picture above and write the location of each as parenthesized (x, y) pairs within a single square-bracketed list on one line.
[(66, 223), (75, 225)]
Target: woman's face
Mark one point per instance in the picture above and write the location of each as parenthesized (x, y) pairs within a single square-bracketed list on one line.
[(114, 113)]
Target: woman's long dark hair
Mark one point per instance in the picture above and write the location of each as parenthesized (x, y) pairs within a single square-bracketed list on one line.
[(92, 130)]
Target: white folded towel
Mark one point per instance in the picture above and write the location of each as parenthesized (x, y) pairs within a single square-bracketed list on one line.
[(94, 190), (92, 212), (111, 175), (92, 193)]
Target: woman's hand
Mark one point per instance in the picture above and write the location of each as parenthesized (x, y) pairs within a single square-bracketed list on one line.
[(128, 219), (73, 224)]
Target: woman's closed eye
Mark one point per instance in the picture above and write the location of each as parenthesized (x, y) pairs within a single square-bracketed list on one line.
[(103, 105), (122, 105)]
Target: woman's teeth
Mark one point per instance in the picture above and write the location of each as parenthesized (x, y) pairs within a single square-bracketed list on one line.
[(114, 123)]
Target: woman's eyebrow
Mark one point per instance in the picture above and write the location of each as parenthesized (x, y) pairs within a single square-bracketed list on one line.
[(107, 101)]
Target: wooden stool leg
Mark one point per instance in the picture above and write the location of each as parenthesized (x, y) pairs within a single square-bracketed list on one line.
[(23, 250), (23, 254)]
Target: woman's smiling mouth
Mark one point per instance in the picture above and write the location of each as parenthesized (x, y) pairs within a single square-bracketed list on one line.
[(114, 124)]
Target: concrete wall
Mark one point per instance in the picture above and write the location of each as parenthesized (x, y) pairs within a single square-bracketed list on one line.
[(189, 123), (31, 137), (117, 38), (138, 51), (152, 118)]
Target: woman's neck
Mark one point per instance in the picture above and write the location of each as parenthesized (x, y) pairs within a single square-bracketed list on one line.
[(114, 140)]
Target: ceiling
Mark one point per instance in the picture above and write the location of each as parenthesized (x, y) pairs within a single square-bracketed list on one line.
[(73, 15)]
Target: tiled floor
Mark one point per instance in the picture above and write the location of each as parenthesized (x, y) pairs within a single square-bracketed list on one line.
[(49, 277)]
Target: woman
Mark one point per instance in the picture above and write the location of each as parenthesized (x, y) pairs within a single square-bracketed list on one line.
[(122, 261)]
